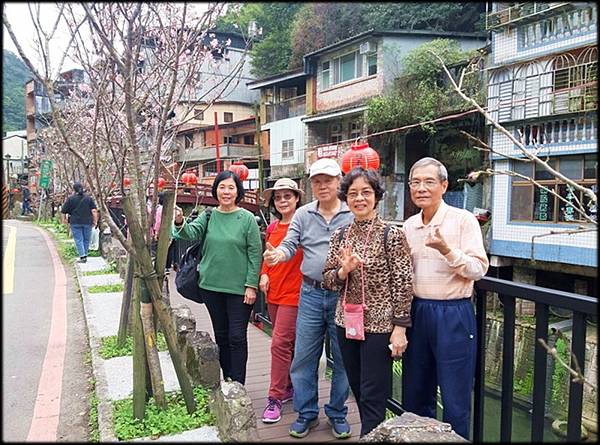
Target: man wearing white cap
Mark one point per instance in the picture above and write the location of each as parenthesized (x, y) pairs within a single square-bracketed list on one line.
[(311, 228)]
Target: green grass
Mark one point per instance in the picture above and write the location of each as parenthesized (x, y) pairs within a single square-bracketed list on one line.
[(111, 269), (93, 420), (109, 348), (104, 288), (157, 423)]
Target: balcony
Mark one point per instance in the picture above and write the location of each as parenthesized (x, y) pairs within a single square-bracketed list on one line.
[(558, 27), (567, 130), (296, 106), (523, 13)]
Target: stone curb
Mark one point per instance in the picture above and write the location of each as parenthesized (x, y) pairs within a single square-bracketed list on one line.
[(105, 409)]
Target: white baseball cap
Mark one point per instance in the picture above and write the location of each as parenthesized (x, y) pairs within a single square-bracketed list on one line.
[(325, 166)]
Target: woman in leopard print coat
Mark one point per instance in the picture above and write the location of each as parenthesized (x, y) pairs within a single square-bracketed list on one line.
[(371, 264)]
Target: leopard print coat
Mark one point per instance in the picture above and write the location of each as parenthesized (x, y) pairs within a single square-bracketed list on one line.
[(388, 275)]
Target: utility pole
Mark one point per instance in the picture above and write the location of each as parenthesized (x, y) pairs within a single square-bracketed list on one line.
[(261, 171), (217, 144)]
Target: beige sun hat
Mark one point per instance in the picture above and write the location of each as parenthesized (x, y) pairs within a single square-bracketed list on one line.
[(281, 184)]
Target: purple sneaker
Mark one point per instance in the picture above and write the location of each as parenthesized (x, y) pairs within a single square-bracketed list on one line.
[(272, 412), (289, 395)]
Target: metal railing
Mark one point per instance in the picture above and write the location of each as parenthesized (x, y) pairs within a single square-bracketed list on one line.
[(296, 106), (582, 308), (523, 12)]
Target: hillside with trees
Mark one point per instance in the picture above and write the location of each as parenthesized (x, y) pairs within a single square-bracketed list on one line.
[(290, 30), (14, 76)]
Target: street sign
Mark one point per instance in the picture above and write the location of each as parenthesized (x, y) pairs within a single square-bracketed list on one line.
[(45, 173)]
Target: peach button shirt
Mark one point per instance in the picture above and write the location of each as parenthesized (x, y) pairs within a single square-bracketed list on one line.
[(451, 276)]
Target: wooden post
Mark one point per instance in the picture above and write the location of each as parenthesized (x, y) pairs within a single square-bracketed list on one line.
[(158, 388), (164, 234), (139, 356), (164, 316), (125, 305)]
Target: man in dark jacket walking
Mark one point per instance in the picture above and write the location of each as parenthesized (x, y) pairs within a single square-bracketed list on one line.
[(83, 216)]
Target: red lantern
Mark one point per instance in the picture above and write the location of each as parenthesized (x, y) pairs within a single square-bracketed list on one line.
[(126, 181), (189, 178), (360, 155), (161, 182), (239, 169)]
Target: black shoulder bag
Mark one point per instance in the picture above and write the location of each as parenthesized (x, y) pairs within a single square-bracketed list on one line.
[(187, 277)]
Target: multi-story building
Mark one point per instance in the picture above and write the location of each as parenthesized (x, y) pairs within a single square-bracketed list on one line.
[(318, 111), (222, 99), (282, 108), (543, 88), (39, 115)]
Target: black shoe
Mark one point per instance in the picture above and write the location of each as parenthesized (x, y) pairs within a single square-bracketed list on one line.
[(83, 259)]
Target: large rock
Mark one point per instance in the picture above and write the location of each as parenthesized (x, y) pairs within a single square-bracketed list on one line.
[(235, 415), (412, 428), (200, 353)]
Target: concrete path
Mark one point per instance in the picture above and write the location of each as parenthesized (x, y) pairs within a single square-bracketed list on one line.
[(114, 377)]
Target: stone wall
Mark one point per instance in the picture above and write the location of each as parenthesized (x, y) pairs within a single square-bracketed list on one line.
[(556, 394)]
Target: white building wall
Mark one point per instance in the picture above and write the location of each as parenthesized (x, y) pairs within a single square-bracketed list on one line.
[(505, 230), (285, 129)]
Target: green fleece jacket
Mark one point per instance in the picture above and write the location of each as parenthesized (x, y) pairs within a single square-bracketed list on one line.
[(231, 253)]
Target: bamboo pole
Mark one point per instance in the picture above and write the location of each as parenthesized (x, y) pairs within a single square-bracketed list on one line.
[(125, 304), (139, 356), (162, 310)]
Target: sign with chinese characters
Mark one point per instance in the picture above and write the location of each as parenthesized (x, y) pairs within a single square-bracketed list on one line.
[(45, 173), (543, 205), (328, 151)]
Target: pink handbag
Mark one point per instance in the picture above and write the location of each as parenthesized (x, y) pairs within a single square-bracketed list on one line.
[(354, 321)]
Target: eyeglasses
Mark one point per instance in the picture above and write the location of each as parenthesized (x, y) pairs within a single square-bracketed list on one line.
[(365, 194), (285, 196), (428, 184)]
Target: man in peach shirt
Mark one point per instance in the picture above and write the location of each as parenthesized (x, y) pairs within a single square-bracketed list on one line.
[(448, 255)]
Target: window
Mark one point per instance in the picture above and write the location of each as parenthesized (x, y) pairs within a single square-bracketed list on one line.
[(325, 75), (347, 67), (249, 139), (287, 149), (335, 133), (576, 81), (371, 64), (199, 115), (355, 129), (534, 204), (188, 141), (231, 139), (227, 117)]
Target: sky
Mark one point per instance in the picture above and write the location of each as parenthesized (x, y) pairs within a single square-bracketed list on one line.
[(22, 25)]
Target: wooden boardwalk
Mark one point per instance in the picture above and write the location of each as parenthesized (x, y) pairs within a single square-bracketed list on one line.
[(258, 379)]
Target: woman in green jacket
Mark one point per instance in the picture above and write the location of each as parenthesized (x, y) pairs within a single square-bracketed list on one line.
[(229, 269)]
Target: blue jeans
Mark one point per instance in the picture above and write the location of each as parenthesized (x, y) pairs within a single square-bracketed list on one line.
[(26, 208), (81, 235), (316, 314)]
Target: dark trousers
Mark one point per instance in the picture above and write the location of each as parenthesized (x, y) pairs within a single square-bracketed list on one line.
[(368, 366), (441, 351), (229, 316)]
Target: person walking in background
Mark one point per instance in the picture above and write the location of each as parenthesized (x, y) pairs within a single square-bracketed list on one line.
[(311, 228), (371, 266), (26, 194), (83, 216), (229, 268), (448, 255), (281, 285)]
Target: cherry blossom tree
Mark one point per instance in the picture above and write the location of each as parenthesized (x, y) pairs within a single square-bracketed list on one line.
[(141, 62)]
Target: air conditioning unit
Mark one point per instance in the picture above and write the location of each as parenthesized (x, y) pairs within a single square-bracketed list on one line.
[(364, 48)]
